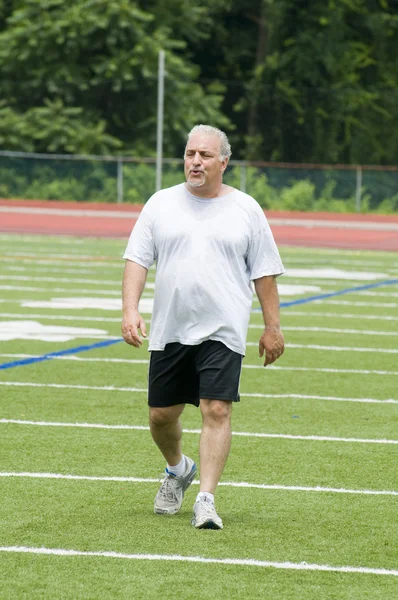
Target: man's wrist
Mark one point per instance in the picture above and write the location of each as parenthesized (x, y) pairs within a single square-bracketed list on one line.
[(275, 328)]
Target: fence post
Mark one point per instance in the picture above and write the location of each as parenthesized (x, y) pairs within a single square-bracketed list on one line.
[(358, 190), (243, 176), (119, 180)]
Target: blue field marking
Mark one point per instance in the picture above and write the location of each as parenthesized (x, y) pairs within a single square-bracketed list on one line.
[(103, 344), (50, 355), (359, 288)]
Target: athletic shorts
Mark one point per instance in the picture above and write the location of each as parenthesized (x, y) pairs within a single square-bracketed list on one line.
[(182, 374)]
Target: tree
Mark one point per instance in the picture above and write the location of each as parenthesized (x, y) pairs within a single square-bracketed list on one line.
[(308, 82)]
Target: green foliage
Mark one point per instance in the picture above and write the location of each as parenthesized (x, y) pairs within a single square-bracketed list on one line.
[(54, 128), (300, 196), (255, 182), (96, 63), (96, 181)]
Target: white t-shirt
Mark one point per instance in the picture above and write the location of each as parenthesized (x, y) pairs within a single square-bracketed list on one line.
[(207, 251)]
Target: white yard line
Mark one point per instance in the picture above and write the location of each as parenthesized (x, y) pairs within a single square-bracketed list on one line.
[(327, 263), (61, 317), (93, 292), (100, 264), (334, 348), (311, 313), (89, 336), (144, 361), (238, 484), (356, 303), (320, 329), (322, 370), (117, 282), (55, 255), (86, 280), (19, 269), (144, 390), (306, 438), (257, 327), (239, 562), (380, 293)]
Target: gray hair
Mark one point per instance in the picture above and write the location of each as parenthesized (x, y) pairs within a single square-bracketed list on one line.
[(225, 147)]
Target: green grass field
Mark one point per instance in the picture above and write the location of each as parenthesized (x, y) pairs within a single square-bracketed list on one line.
[(309, 494)]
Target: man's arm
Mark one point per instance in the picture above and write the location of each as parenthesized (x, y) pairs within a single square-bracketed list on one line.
[(271, 341), (134, 278)]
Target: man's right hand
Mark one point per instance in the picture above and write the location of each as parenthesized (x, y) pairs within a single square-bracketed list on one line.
[(132, 322)]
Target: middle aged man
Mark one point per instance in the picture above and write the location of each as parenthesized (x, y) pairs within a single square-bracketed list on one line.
[(209, 241)]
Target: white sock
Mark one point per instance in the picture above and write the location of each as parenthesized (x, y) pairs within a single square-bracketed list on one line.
[(179, 469), (205, 496)]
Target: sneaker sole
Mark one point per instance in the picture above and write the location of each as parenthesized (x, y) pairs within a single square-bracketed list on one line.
[(209, 524), (161, 511)]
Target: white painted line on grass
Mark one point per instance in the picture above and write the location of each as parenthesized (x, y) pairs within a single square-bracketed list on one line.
[(322, 370), (104, 388), (93, 292), (60, 279), (73, 255), (285, 436), (118, 320), (380, 293), (357, 303), (145, 361), (322, 262), (59, 317), (107, 263), (323, 330), (310, 313), (111, 388), (46, 270), (239, 562), (236, 484), (335, 348)]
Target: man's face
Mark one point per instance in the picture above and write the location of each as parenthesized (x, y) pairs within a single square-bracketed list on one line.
[(202, 160)]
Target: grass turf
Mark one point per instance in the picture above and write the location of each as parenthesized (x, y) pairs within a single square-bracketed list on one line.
[(337, 529)]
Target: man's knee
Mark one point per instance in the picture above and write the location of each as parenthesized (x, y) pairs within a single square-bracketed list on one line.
[(216, 410), (163, 416)]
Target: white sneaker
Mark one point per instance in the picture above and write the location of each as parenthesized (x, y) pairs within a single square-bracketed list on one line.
[(171, 493), (205, 516)]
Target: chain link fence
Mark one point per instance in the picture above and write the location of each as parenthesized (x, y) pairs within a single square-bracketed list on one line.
[(276, 186)]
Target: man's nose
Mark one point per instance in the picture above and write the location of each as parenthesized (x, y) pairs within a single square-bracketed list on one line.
[(197, 159)]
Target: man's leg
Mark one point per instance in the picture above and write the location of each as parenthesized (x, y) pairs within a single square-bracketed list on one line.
[(215, 442), (166, 431)]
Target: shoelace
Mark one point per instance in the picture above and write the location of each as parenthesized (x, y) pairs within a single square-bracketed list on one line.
[(207, 507), (168, 487)]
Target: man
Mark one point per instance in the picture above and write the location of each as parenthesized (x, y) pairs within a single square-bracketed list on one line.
[(209, 241)]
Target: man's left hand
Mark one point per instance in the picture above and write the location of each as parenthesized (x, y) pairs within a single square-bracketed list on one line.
[(272, 343)]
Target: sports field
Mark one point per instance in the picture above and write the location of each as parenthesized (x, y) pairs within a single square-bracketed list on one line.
[(309, 495)]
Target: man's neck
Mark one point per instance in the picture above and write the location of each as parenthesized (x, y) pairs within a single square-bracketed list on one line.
[(204, 192)]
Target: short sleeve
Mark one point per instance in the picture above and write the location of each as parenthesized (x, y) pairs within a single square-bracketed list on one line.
[(141, 247), (263, 257)]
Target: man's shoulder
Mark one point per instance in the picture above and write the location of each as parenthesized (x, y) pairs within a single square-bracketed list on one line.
[(170, 192), (163, 197), (247, 202)]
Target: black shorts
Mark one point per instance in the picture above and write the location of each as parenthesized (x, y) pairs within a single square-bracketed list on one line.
[(182, 374)]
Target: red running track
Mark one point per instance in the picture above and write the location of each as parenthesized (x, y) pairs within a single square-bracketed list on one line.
[(322, 230)]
